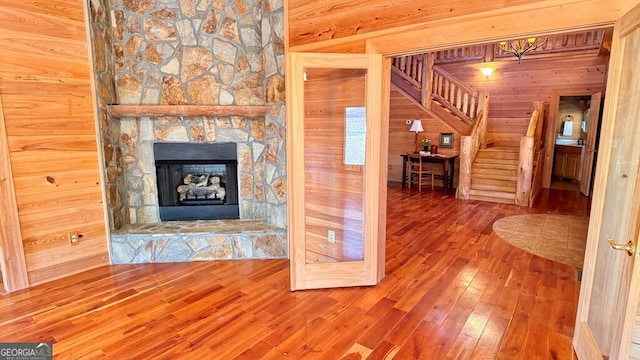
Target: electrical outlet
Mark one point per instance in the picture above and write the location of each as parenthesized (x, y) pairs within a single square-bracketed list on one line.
[(74, 238), (331, 236)]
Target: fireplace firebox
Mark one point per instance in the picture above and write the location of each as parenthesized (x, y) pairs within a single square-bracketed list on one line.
[(197, 181)]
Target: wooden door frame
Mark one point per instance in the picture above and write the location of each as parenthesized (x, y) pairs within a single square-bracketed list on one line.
[(550, 135), (12, 259), (591, 140), (371, 269)]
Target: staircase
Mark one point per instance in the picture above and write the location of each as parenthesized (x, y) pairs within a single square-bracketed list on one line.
[(494, 174), (508, 172)]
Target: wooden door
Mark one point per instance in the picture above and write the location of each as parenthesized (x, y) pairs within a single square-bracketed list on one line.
[(336, 158), (611, 281), (590, 145)]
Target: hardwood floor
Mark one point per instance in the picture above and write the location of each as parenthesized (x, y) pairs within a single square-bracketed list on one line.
[(453, 290)]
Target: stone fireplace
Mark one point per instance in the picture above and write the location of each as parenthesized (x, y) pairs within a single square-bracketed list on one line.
[(196, 181), (261, 190), (175, 53), (258, 150)]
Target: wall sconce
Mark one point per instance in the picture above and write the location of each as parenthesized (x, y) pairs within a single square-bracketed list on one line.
[(416, 127), (487, 71), (522, 46)]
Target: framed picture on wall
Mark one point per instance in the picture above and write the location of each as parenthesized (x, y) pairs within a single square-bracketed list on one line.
[(446, 140)]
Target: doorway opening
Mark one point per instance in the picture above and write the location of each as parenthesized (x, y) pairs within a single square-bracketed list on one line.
[(572, 140)]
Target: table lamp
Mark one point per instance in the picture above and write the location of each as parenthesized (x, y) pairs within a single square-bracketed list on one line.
[(417, 127)]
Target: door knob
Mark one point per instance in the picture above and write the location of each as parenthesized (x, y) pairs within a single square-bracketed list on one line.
[(628, 247)]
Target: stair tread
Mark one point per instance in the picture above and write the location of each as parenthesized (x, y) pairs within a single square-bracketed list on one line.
[(508, 177), (501, 148), (494, 188), (506, 155), (492, 199), (493, 194), (490, 164), (497, 182), (481, 170)]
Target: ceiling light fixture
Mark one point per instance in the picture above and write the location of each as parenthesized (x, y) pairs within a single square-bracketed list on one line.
[(522, 46)]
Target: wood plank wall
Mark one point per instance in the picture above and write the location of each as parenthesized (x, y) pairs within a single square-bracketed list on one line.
[(513, 87), (47, 97), (333, 191), (401, 140)]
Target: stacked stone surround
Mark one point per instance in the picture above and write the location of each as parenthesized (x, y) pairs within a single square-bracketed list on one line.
[(108, 128), (191, 52), (259, 186)]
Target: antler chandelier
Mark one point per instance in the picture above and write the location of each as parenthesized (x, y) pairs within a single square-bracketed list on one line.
[(522, 46)]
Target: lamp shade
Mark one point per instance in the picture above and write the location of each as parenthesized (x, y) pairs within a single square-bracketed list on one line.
[(417, 126)]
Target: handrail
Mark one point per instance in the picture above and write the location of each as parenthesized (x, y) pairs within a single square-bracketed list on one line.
[(529, 145), (459, 98), (469, 146), (533, 122)]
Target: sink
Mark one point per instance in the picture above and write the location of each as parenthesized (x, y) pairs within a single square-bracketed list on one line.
[(566, 142)]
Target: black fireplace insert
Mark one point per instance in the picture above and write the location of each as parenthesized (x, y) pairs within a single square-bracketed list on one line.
[(197, 181)]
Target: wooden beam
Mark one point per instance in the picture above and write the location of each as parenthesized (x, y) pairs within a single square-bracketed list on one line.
[(552, 16), (12, 261), (186, 110)]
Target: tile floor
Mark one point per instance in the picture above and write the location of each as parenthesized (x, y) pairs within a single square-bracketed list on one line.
[(560, 238)]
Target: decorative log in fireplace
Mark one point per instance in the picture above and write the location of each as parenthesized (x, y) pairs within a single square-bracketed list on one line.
[(197, 181)]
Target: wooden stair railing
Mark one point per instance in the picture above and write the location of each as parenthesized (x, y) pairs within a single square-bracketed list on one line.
[(454, 95), (529, 145), (469, 146), (582, 40), (417, 77), (410, 68)]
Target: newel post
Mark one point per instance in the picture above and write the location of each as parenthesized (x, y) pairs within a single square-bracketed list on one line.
[(427, 80), (525, 171), (466, 158)]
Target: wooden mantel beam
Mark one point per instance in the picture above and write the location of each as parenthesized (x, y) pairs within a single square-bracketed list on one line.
[(119, 111)]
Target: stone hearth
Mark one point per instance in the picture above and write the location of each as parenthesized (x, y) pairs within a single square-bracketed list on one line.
[(178, 241)]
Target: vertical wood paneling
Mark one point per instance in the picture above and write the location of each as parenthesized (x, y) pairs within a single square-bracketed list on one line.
[(45, 82)]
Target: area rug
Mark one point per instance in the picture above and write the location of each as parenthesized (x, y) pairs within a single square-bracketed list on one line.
[(560, 238)]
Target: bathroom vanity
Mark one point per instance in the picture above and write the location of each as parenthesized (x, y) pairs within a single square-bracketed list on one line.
[(568, 162)]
